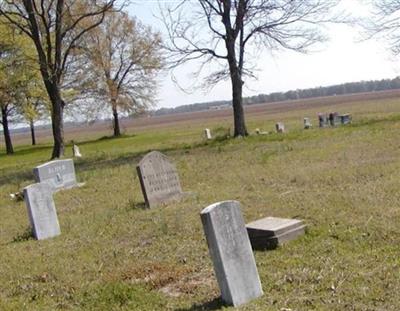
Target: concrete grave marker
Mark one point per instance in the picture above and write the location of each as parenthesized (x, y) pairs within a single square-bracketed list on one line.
[(41, 210), (59, 174), (269, 232), (159, 179), (231, 252), (207, 133)]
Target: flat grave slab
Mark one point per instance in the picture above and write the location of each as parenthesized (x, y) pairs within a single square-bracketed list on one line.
[(269, 232)]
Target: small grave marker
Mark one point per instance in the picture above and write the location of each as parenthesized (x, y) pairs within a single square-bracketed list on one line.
[(269, 232), (345, 118), (76, 152), (323, 120), (159, 179), (207, 133), (59, 174), (280, 127), (307, 123), (231, 252), (42, 211)]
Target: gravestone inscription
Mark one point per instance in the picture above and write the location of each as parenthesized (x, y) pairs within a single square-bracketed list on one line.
[(59, 174), (41, 210), (159, 179), (231, 252)]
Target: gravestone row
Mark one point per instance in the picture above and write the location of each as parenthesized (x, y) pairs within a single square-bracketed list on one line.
[(230, 242)]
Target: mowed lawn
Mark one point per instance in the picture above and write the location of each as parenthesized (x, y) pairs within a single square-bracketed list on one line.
[(113, 254)]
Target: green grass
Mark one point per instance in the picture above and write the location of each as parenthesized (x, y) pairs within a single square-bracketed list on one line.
[(115, 255)]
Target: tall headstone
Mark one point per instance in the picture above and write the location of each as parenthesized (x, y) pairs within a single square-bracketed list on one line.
[(231, 252), (41, 210), (59, 174), (207, 133), (159, 179)]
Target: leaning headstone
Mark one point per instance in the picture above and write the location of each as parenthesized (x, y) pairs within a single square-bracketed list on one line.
[(280, 127), (231, 252), (41, 210), (59, 174), (207, 133), (76, 152), (307, 123), (269, 232), (159, 179)]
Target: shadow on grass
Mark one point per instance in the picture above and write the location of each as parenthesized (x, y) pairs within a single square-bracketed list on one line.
[(214, 304), (25, 236), (15, 177)]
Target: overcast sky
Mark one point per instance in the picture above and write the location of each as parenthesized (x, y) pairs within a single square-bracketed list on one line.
[(343, 59)]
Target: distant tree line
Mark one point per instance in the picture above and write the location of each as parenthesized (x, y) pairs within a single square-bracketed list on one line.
[(332, 90)]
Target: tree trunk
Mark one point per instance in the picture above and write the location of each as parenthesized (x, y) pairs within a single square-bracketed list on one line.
[(57, 124), (117, 131), (6, 131), (32, 126), (237, 104), (237, 88)]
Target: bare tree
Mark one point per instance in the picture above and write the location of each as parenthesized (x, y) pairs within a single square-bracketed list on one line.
[(122, 59), (223, 32), (55, 28), (384, 23)]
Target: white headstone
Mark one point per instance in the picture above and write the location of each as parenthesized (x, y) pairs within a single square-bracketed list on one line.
[(207, 133), (59, 174), (231, 252), (280, 127), (76, 152), (307, 123), (41, 210)]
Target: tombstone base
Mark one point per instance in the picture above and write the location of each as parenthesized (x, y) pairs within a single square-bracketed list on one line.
[(268, 243), (269, 232)]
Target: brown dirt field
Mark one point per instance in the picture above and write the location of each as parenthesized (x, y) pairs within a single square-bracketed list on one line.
[(145, 123)]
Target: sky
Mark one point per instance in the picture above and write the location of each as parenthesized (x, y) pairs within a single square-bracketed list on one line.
[(342, 59)]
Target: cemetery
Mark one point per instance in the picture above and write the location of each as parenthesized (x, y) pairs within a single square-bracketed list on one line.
[(276, 221)]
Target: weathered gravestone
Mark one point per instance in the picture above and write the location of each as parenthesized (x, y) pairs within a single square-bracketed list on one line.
[(41, 210), (231, 252), (269, 232), (159, 179), (59, 174)]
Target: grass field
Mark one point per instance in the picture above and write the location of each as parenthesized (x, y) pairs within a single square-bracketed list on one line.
[(115, 255)]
